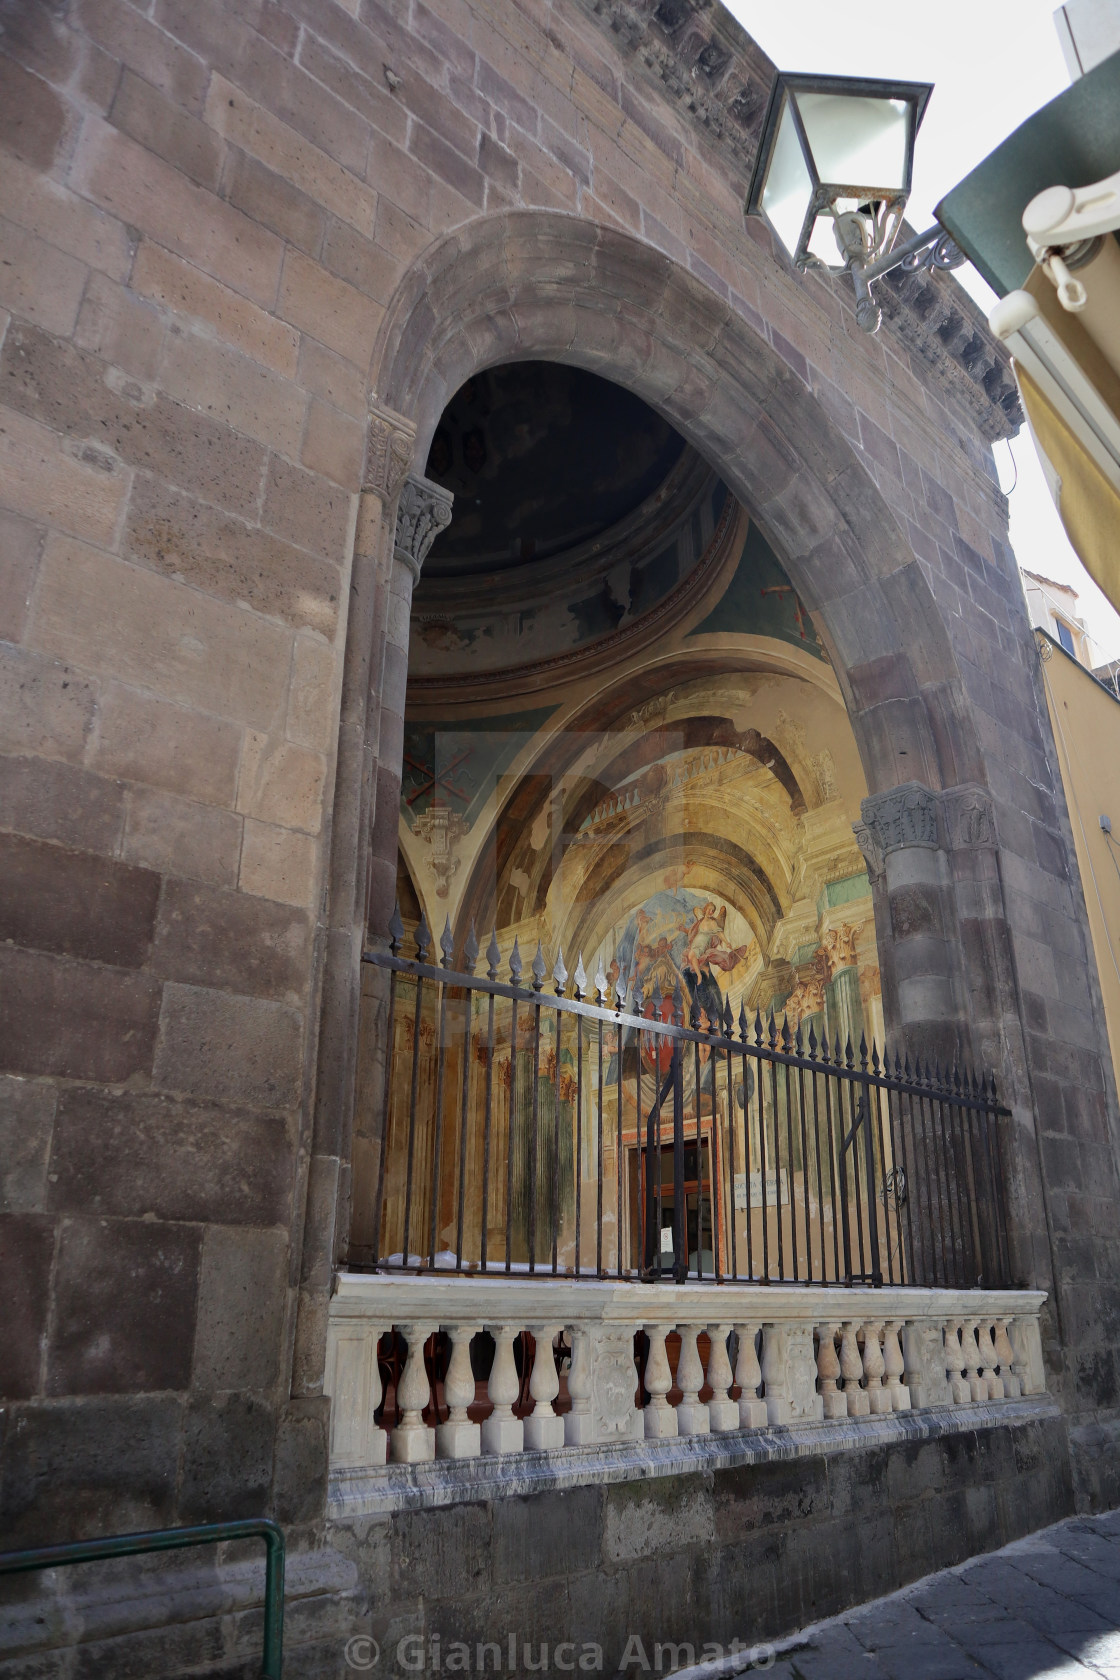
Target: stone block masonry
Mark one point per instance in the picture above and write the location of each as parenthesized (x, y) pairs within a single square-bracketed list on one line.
[(227, 230)]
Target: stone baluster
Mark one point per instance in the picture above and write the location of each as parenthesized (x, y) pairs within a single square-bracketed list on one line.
[(501, 1431), (723, 1412), (878, 1398), (775, 1373), (954, 1364), (828, 1371), (1026, 1344), (748, 1375), (977, 1386), (988, 1362), (660, 1418), (413, 1442), (851, 1368), (1012, 1383), (692, 1415), (459, 1437), (893, 1367), (543, 1429), (578, 1423)]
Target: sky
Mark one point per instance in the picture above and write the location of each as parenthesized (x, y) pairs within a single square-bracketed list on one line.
[(993, 63)]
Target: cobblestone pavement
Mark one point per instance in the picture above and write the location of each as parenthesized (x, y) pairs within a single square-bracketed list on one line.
[(1045, 1606)]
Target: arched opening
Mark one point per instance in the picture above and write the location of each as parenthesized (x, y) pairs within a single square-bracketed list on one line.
[(625, 749), (542, 287)]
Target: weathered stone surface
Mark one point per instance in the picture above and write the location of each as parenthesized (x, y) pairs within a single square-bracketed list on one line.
[(26, 1251), (181, 837), (33, 115), (125, 1293), (54, 801), (184, 538), (240, 1308), (20, 543), (66, 388), (27, 1109), (126, 622), (75, 903), (233, 1049), (231, 940), (144, 739), (227, 1455), (46, 707), (75, 1019), (150, 1156), (87, 1465)]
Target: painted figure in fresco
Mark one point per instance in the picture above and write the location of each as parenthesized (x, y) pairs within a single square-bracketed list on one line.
[(677, 938)]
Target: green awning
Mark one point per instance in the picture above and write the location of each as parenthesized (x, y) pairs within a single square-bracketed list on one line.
[(1072, 142)]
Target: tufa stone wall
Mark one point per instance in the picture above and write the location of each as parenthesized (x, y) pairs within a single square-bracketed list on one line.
[(225, 226)]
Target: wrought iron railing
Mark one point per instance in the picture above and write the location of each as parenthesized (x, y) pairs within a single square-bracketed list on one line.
[(601, 1134)]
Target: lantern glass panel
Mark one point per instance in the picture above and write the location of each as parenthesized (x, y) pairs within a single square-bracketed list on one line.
[(789, 185), (857, 141)]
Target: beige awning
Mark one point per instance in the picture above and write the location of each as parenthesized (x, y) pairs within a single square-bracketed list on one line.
[(1071, 395)]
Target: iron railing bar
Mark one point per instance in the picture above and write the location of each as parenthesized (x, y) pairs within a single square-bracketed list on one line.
[(668, 1029), (468, 1026), (599, 1272), (174, 1539), (579, 1135), (510, 1133), (777, 1163), (715, 1201), (487, 1121), (555, 1210), (728, 1068), (437, 1145), (412, 1115), (806, 1175), (534, 1112), (386, 1104), (747, 1099)]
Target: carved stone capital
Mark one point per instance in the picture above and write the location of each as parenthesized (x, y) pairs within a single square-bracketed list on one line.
[(423, 511), (903, 816), (969, 818), (957, 819), (390, 442), (868, 843)]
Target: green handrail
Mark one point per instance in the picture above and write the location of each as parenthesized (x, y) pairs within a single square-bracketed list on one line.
[(169, 1539)]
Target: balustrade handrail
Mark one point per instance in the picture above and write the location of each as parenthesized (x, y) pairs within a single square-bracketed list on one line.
[(467, 1368), (717, 1142)]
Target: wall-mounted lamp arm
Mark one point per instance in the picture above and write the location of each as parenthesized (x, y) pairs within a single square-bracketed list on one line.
[(932, 249)]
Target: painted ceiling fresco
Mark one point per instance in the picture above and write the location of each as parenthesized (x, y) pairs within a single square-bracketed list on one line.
[(541, 457), (542, 611), (761, 601)]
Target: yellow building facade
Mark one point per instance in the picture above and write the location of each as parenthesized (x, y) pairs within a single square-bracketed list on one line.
[(1085, 714)]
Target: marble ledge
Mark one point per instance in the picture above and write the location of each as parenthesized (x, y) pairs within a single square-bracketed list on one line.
[(400, 1487)]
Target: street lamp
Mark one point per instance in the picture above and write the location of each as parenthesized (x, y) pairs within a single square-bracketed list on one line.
[(833, 174)]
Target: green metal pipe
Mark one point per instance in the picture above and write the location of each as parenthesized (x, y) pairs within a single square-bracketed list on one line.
[(170, 1539)]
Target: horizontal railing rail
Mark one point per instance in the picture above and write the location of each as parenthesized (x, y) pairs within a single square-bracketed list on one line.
[(172, 1539), (595, 1132)]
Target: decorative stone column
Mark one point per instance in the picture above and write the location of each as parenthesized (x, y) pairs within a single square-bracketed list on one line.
[(409, 526), (423, 511), (390, 442)]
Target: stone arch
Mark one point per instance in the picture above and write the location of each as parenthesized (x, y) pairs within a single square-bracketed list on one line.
[(550, 285)]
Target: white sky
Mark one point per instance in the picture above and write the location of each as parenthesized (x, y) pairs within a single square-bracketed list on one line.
[(993, 63)]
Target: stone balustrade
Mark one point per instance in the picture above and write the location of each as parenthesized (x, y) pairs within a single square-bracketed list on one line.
[(774, 1357)]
